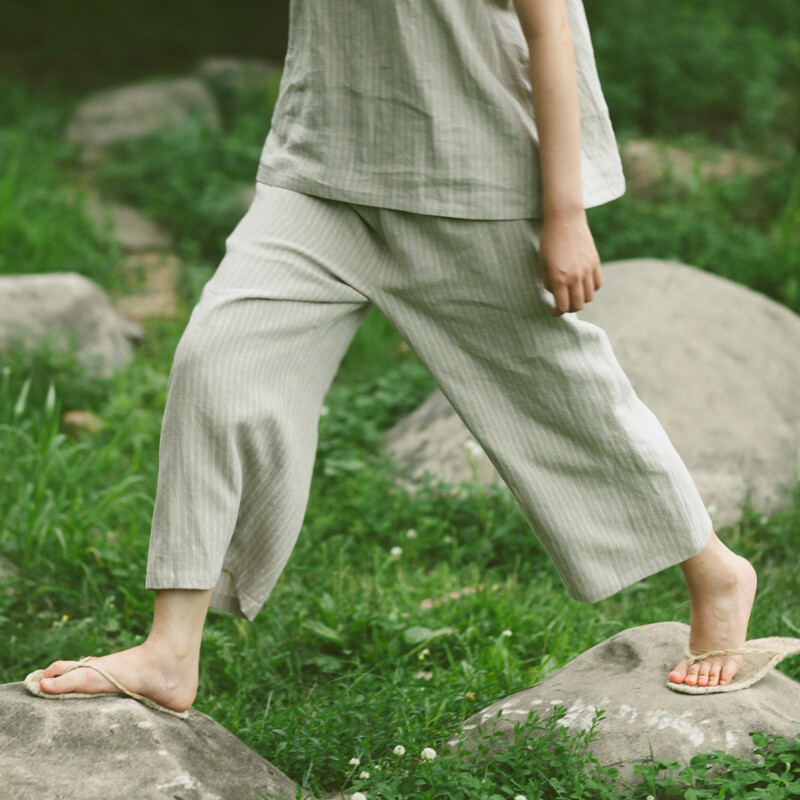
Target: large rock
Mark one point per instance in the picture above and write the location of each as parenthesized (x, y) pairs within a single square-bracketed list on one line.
[(66, 311), (118, 115), (235, 74), (110, 748), (135, 232), (624, 676), (717, 363)]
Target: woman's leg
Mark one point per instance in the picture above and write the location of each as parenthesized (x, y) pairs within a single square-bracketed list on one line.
[(593, 470), (240, 430)]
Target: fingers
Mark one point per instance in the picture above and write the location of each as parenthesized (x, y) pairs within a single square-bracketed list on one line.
[(573, 296), (588, 289)]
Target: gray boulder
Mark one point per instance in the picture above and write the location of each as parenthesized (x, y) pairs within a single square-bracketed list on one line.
[(118, 115), (624, 676), (113, 748), (135, 232), (717, 363), (231, 73), (67, 312)]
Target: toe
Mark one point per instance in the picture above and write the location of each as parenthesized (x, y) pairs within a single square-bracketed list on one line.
[(58, 668), (691, 675), (678, 675), (702, 675), (729, 669), (77, 680), (713, 674)]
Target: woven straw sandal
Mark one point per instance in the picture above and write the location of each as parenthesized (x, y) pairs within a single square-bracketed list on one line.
[(33, 686), (759, 657)]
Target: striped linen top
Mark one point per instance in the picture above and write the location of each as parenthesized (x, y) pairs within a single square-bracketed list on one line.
[(425, 106)]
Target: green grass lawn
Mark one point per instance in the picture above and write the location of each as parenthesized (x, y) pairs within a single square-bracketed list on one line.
[(359, 650)]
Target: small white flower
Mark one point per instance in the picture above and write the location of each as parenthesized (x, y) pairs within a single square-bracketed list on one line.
[(358, 796), (354, 762), (399, 750), (506, 632), (324, 411), (473, 448), (364, 775), (428, 754), (650, 797), (520, 797), (411, 534), (396, 552)]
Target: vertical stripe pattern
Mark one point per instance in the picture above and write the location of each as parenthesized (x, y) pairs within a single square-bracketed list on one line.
[(425, 106), (593, 470)]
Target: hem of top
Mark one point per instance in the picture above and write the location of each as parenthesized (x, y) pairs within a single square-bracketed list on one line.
[(308, 186)]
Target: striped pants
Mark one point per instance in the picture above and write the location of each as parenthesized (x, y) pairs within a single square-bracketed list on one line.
[(594, 472)]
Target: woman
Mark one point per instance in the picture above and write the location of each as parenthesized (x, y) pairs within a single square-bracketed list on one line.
[(435, 159)]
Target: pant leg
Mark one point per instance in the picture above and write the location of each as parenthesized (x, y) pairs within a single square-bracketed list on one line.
[(593, 470), (249, 377)]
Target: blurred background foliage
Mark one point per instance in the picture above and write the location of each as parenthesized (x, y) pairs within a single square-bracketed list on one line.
[(667, 65), (76, 514)]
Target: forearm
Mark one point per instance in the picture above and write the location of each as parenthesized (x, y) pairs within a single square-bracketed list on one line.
[(554, 94)]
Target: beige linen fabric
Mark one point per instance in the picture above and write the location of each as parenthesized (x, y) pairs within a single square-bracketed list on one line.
[(425, 106), (592, 469)]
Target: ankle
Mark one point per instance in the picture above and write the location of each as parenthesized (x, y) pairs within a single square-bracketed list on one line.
[(166, 650)]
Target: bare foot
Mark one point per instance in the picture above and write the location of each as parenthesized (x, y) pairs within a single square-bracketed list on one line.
[(164, 668), (168, 678), (722, 587)]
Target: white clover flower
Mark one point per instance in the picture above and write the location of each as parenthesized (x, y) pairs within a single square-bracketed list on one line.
[(399, 750), (650, 797), (473, 448), (364, 775), (358, 796), (520, 797), (396, 552), (506, 632), (411, 534), (354, 762), (428, 754)]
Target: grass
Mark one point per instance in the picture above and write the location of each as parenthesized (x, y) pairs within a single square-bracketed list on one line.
[(360, 650), (385, 650)]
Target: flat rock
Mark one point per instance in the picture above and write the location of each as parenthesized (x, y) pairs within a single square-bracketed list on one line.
[(67, 312), (117, 115), (135, 232), (717, 363), (624, 676), (239, 73), (106, 748)]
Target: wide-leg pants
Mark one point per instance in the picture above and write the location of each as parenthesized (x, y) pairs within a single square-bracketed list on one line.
[(594, 472)]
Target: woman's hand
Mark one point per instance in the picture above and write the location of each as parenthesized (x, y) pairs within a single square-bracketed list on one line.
[(569, 262)]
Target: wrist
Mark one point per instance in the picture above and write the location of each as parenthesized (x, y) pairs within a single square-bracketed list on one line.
[(564, 212)]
